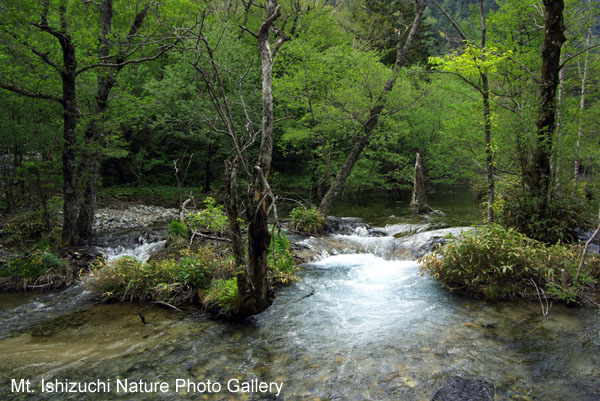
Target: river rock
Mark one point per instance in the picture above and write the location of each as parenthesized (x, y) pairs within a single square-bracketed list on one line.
[(458, 388), (137, 216), (422, 243), (345, 225)]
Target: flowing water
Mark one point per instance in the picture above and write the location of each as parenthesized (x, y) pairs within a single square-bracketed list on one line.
[(362, 324)]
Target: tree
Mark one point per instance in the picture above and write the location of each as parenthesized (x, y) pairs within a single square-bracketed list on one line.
[(113, 56), (53, 23), (253, 283), (478, 59), (60, 36), (369, 125), (539, 178)]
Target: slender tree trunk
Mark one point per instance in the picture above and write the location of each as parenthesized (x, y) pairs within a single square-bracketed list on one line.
[(540, 173), (489, 151), (253, 286), (233, 214), (582, 106), (70, 115), (367, 130), (559, 115)]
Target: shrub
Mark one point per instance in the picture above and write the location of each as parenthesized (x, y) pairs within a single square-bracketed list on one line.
[(40, 269), (497, 263), (222, 297), (308, 220), (281, 264), (558, 223), (212, 218), (29, 226)]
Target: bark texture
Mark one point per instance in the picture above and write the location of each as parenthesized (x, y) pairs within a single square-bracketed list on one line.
[(487, 122), (539, 178)]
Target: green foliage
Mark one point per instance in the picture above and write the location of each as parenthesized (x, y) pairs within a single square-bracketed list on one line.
[(557, 223), (178, 234), (212, 218), (37, 270), (30, 226), (282, 268), (157, 194), (498, 263), (307, 220), (178, 229), (222, 297), (35, 265), (173, 281)]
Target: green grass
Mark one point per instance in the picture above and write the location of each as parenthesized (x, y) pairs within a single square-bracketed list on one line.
[(498, 263)]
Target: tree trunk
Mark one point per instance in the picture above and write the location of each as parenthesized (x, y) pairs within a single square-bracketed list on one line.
[(419, 198), (70, 114), (209, 152), (233, 214), (94, 134), (91, 158), (559, 115), (489, 151), (582, 106), (540, 174), (253, 286), (367, 130)]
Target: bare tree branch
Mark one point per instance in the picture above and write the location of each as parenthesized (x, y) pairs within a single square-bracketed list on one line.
[(34, 95)]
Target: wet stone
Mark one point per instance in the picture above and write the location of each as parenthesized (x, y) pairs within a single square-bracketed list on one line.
[(458, 388)]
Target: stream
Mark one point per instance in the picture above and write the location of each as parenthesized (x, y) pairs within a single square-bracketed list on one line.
[(362, 324)]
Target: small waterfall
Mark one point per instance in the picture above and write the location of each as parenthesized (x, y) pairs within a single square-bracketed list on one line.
[(392, 242), (142, 252)]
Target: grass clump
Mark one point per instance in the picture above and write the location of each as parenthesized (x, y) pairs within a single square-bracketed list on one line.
[(222, 298), (498, 263), (282, 269), (40, 269), (178, 234), (308, 220), (173, 281)]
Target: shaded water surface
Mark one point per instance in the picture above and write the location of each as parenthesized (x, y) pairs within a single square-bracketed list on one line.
[(358, 326)]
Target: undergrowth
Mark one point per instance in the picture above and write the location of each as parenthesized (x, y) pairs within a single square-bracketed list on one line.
[(309, 220), (498, 263)]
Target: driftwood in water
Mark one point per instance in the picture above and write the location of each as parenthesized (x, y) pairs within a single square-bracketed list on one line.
[(419, 199)]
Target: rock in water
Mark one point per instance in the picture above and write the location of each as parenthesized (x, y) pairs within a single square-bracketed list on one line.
[(458, 388)]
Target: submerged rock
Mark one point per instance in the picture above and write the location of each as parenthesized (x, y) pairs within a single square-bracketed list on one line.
[(458, 388)]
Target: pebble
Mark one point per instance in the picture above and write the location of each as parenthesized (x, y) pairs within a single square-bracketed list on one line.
[(108, 219)]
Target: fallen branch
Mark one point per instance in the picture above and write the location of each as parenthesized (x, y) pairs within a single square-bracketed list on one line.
[(168, 305), (310, 294)]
